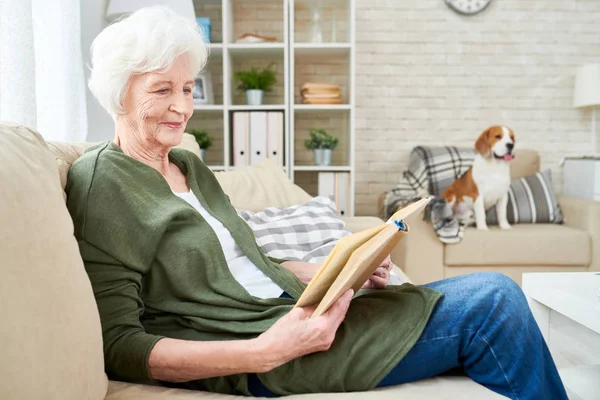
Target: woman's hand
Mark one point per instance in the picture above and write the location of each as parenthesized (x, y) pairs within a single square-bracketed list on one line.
[(381, 276), (297, 334), (303, 270)]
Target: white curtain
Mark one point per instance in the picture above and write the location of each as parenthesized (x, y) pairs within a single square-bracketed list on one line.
[(41, 67)]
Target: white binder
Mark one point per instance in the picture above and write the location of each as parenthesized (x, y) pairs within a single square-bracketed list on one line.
[(275, 137), (258, 136), (241, 139), (336, 185), (343, 193)]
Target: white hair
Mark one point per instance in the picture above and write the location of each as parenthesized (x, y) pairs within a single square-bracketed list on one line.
[(149, 40)]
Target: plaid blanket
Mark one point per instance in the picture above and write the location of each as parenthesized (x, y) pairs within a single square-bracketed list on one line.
[(430, 171)]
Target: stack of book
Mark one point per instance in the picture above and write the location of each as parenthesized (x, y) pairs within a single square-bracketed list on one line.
[(320, 93)]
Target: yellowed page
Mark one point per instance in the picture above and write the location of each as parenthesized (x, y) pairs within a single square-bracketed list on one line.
[(361, 265), (333, 264), (351, 266)]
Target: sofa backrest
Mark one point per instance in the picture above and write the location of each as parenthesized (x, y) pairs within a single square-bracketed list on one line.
[(259, 186), (65, 154), (526, 162), (434, 168), (251, 188), (51, 335)]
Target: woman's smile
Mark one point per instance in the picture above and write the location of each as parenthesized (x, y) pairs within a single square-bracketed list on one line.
[(173, 125)]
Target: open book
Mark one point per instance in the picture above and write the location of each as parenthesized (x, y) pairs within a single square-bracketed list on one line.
[(354, 259)]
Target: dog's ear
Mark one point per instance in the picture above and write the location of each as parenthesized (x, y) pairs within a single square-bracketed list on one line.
[(482, 145)]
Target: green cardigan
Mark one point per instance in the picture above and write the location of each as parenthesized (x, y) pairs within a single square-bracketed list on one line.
[(157, 270)]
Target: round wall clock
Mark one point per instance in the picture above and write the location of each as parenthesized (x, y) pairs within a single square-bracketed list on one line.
[(467, 7)]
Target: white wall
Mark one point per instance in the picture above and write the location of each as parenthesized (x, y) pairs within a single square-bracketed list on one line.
[(426, 75), (100, 124)]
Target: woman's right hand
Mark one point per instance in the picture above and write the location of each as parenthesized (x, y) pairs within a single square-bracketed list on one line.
[(297, 334)]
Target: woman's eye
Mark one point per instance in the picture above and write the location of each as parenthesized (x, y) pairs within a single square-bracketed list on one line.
[(162, 91), (187, 90)]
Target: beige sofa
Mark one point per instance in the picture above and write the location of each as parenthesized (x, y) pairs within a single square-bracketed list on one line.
[(572, 246), (51, 333)]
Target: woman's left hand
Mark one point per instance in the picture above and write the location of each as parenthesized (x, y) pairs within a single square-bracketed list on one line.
[(381, 276)]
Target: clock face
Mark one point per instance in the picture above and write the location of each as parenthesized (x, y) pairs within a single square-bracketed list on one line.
[(468, 6)]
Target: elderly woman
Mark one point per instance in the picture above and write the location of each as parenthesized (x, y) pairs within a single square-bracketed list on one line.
[(187, 298)]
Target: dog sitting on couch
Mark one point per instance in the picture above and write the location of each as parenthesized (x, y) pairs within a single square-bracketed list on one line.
[(486, 182)]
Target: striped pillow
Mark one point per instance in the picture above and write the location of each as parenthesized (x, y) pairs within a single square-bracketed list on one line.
[(303, 232), (530, 200)]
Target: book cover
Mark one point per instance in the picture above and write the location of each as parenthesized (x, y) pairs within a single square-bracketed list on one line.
[(354, 259)]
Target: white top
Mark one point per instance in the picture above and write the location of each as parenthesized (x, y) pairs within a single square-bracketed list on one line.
[(243, 270), (572, 294)]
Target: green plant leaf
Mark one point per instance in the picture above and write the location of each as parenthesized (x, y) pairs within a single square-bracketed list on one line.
[(202, 137), (256, 79), (320, 139)]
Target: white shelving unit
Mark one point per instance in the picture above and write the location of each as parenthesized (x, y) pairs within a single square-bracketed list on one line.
[(297, 60)]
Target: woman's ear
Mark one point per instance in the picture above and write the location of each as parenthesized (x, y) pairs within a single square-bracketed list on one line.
[(482, 145)]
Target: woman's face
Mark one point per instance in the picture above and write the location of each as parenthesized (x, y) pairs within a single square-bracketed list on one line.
[(159, 104)]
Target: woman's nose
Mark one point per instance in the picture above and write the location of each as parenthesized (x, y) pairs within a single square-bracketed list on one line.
[(180, 104)]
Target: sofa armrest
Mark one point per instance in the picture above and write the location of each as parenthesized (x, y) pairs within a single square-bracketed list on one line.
[(585, 215), (421, 252), (357, 224)]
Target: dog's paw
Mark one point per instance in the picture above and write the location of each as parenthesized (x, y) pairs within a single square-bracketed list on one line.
[(505, 225), (482, 228)]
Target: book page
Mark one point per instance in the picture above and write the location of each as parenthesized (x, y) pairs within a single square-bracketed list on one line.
[(354, 259)]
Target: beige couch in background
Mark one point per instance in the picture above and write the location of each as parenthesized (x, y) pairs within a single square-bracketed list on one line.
[(51, 334), (570, 247)]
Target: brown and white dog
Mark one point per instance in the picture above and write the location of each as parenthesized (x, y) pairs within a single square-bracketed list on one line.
[(486, 183)]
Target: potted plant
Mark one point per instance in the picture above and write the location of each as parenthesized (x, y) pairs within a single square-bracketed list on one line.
[(322, 145), (255, 82), (203, 140)]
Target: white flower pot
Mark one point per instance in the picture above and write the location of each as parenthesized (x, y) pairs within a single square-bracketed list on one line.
[(203, 154), (323, 156), (254, 97)]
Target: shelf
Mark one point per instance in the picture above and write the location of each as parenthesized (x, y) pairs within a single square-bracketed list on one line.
[(322, 49), (262, 107), (208, 107), (322, 168), (251, 50), (233, 168), (215, 48), (296, 60), (322, 107)]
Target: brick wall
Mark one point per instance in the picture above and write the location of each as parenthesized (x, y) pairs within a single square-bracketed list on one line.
[(426, 75)]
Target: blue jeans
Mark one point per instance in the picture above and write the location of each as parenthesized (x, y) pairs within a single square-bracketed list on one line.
[(482, 325)]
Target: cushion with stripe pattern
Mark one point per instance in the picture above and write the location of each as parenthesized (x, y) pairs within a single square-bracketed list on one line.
[(531, 200), (303, 232)]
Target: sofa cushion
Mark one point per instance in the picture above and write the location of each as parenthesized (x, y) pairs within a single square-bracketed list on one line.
[(524, 244), (65, 154), (357, 224), (303, 232), (260, 186), (531, 199), (525, 163), (445, 387), (50, 323)]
